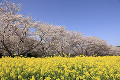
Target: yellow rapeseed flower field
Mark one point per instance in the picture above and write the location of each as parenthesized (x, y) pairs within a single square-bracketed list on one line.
[(60, 68)]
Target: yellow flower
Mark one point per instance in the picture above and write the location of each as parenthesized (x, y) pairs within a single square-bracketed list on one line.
[(62, 77), (60, 65), (77, 78), (98, 78), (47, 78), (19, 77), (87, 74), (33, 78)]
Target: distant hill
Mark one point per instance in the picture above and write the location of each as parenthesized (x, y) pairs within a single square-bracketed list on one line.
[(117, 46)]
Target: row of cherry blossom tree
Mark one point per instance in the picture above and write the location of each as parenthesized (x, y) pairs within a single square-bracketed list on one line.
[(17, 38)]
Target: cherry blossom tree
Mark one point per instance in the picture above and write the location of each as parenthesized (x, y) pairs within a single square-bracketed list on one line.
[(14, 30), (94, 45), (16, 37)]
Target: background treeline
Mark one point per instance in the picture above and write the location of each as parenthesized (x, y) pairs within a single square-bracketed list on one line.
[(22, 35)]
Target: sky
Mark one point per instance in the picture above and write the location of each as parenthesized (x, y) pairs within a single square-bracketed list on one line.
[(100, 18)]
